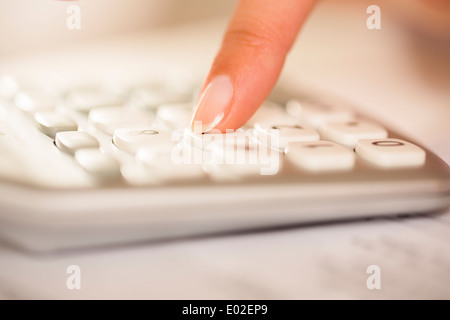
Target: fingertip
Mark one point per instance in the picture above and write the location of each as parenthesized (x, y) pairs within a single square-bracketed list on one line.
[(248, 64)]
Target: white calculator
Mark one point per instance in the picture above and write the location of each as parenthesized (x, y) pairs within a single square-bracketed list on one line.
[(93, 166)]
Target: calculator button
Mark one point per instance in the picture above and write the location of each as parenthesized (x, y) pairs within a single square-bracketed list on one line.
[(200, 140), (153, 95), (319, 156), (149, 98), (316, 114), (230, 163), (271, 165), (52, 122), (268, 110), (155, 155), (232, 172), (98, 163), (131, 139), (8, 87), (233, 153), (112, 118), (175, 115), (71, 141), (348, 133), (279, 134), (238, 139), (87, 99), (242, 160), (164, 168), (390, 153), (33, 101)]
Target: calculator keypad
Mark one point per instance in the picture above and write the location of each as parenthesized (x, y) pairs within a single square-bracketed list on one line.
[(99, 164), (144, 137), (175, 115), (33, 101), (390, 153), (71, 141), (317, 114), (87, 99)]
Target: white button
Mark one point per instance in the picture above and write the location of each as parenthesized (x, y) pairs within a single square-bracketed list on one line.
[(175, 115), (390, 153), (153, 95), (71, 141), (227, 172), (98, 163), (237, 139), (279, 134), (225, 162), (52, 122), (319, 156), (317, 114), (8, 87), (348, 133), (198, 147), (199, 140), (156, 155), (164, 169), (223, 153), (112, 118), (131, 139), (35, 100), (268, 110), (242, 160), (86, 99)]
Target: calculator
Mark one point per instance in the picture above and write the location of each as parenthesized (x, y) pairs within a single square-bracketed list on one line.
[(92, 166)]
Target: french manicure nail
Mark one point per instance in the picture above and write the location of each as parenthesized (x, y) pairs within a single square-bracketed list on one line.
[(213, 103)]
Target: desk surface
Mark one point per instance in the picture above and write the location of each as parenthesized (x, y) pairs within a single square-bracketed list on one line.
[(388, 74)]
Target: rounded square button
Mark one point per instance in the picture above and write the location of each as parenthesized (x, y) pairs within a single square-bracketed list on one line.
[(175, 115), (98, 163), (112, 118), (279, 134), (89, 98), (33, 101), (317, 156), (51, 123), (390, 153), (71, 141), (154, 94), (131, 139), (162, 165), (317, 114), (8, 87), (348, 133), (268, 110)]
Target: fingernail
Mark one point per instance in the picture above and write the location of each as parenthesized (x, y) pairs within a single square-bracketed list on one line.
[(213, 103)]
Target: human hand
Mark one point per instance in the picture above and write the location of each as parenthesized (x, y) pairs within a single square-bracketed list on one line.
[(247, 66)]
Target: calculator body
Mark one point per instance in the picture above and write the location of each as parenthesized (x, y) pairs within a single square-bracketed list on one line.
[(57, 210)]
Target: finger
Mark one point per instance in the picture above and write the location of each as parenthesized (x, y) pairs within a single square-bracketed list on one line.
[(260, 34)]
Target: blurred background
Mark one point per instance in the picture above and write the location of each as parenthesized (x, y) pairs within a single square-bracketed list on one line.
[(39, 24), (399, 75), (34, 25)]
